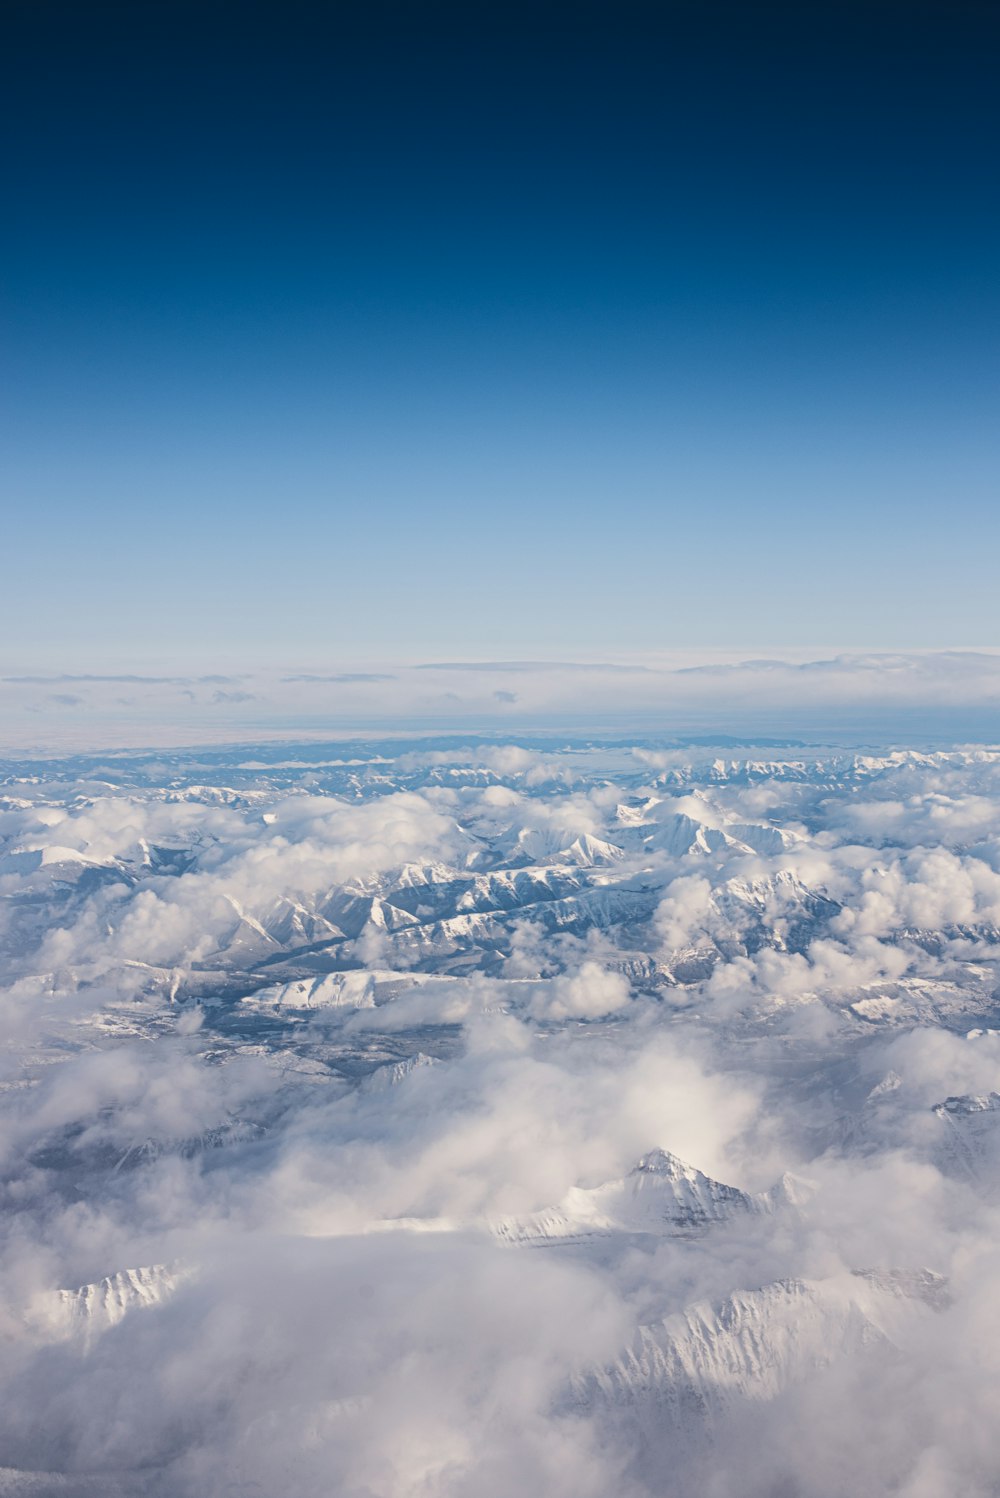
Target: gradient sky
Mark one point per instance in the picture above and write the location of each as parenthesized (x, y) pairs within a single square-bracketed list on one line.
[(332, 332)]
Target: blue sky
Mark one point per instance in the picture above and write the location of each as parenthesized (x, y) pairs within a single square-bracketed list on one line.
[(344, 333)]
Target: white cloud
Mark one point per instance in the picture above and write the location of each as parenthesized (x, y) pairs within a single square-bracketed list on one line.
[(541, 1020)]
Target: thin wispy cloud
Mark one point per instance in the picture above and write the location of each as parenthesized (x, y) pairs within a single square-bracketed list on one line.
[(847, 697)]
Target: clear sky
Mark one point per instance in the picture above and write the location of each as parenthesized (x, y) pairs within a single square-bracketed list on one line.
[(341, 331)]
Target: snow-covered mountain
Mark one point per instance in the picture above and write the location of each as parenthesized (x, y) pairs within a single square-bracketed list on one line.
[(754, 1344), (659, 1195), (90, 1310), (351, 1028)]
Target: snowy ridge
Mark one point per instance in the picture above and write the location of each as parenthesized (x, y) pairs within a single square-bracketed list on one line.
[(396, 1072), (970, 1135), (659, 1195), (965, 1106), (360, 984), (355, 989), (352, 990), (95, 1308), (755, 1343)]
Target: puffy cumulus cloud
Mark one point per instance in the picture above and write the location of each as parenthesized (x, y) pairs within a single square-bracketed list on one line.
[(537, 828), (937, 1063), (929, 888), (102, 829), (935, 819), (685, 909), (308, 847), (129, 1095), (872, 1424), (589, 993), (804, 991), (449, 1120), (508, 1126), (364, 1365)]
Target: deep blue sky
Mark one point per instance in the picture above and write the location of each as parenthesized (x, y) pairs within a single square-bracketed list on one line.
[(346, 331)]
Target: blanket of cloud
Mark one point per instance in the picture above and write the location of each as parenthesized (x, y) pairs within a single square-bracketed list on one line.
[(912, 696), (448, 1118)]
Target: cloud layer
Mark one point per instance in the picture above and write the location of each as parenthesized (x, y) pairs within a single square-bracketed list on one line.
[(877, 697), (469, 1120)]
